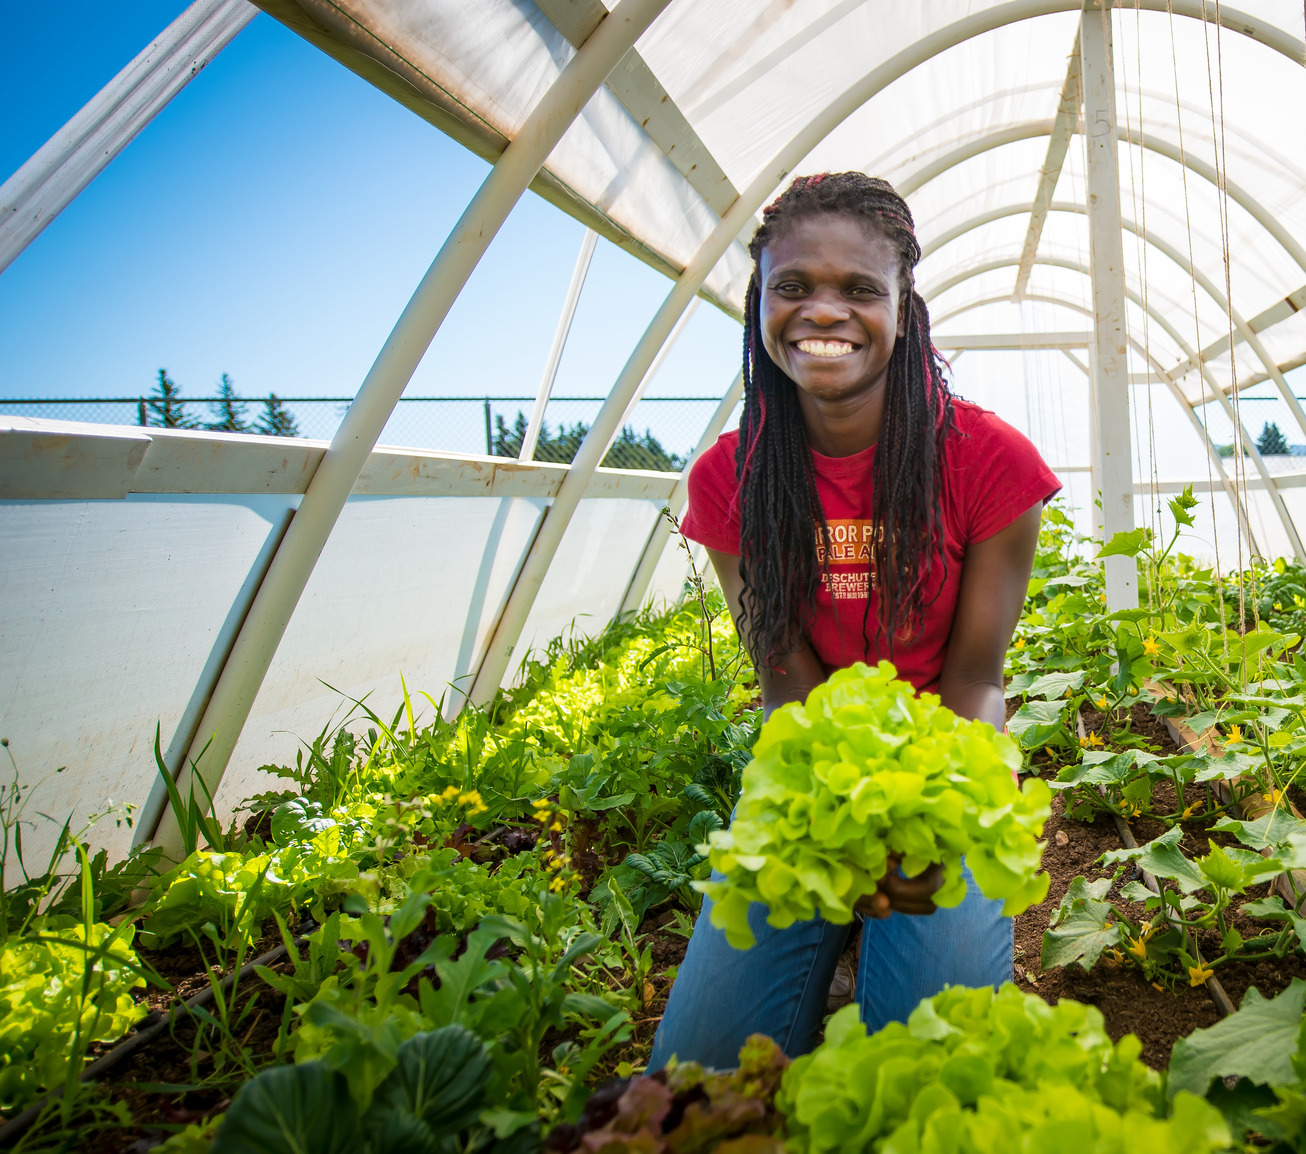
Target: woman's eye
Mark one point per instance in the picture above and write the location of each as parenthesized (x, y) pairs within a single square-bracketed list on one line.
[(787, 286)]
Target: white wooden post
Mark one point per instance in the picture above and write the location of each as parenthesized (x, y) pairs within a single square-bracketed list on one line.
[(1110, 361)]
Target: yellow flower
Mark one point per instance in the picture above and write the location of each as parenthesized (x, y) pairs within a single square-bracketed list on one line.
[(1273, 797), (1189, 810), (1299, 601), (450, 793), (1100, 702), (1150, 647), (1116, 955), (1136, 947), (1199, 974), (556, 827), (1160, 989), (540, 803), (558, 884), (1020, 643), (1234, 736), (1092, 741), (1278, 607)]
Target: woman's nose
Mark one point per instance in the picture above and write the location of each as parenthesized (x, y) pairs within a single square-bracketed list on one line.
[(825, 309)]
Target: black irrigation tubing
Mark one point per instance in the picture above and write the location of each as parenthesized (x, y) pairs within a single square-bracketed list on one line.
[(145, 1033), (1218, 994)]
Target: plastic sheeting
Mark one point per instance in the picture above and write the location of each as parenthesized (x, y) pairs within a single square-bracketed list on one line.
[(747, 75)]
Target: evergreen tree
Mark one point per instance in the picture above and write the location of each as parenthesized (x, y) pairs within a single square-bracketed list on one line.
[(1271, 441), (277, 420), (508, 442), (629, 451), (228, 409), (166, 409)]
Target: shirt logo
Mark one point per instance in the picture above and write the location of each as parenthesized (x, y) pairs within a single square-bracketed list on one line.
[(849, 577)]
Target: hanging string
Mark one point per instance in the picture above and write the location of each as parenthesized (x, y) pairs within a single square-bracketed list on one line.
[(1239, 471), (1215, 89)]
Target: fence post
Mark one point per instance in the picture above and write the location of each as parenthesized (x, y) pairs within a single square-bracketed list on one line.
[(489, 439), (140, 412)]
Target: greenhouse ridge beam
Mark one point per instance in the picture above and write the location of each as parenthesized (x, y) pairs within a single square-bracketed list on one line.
[(261, 632), (75, 155), (512, 620), (1063, 128)]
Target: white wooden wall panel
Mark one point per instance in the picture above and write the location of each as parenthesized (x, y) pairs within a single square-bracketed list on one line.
[(111, 614), (589, 573)]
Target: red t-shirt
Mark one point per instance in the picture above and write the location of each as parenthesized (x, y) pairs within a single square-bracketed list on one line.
[(992, 475)]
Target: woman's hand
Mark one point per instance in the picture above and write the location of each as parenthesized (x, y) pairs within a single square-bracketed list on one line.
[(896, 893)]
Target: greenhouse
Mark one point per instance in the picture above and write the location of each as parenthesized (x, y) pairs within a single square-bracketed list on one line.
[(366, 778)]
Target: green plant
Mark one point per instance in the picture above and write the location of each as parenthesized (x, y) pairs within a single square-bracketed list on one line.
[(1196, 895), (864, 772), (985, 1071), (436, 1089)]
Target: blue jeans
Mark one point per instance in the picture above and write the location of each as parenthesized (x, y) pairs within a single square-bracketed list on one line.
[(779, 987)]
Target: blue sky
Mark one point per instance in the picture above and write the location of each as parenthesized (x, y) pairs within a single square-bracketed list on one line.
[(272, 222)]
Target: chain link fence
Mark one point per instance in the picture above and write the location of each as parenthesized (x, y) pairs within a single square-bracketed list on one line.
[(660, 435)]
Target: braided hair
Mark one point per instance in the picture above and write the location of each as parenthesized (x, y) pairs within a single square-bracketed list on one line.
[(779, 507)]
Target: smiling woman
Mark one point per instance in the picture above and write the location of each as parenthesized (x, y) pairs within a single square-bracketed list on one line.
[(860, 512)]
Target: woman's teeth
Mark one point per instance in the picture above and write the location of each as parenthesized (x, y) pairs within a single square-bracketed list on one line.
[(825, 348)]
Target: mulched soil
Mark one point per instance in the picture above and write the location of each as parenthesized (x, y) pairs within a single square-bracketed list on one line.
[(1128, 1002)]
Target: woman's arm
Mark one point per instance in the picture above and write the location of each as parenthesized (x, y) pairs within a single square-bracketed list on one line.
[(994, 581), (796, 674)]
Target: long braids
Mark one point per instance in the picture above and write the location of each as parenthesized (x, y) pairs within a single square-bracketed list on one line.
[(780, 510)]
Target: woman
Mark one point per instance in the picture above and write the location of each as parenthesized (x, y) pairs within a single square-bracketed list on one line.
[(860, 511)]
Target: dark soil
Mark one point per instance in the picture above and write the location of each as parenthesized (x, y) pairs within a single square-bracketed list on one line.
[(1129, 1003)]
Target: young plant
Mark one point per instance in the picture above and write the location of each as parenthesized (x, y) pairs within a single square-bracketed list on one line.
[(864, 772)]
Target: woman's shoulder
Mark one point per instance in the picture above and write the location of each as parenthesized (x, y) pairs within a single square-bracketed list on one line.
[(978, 433), (715, 465)]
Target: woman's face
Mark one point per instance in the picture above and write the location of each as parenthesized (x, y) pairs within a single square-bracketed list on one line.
[(831, 306)]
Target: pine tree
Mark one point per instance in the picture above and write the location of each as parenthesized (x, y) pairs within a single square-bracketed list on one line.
[(228, 409), (277, 420), (508, 442), (166, 409), (1271, 441), (629, 451)]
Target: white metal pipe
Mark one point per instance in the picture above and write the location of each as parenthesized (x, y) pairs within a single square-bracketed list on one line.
[(325, 497), (110, 120), (578, 275), (659, 536), (1032, 130), (739, 216)]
